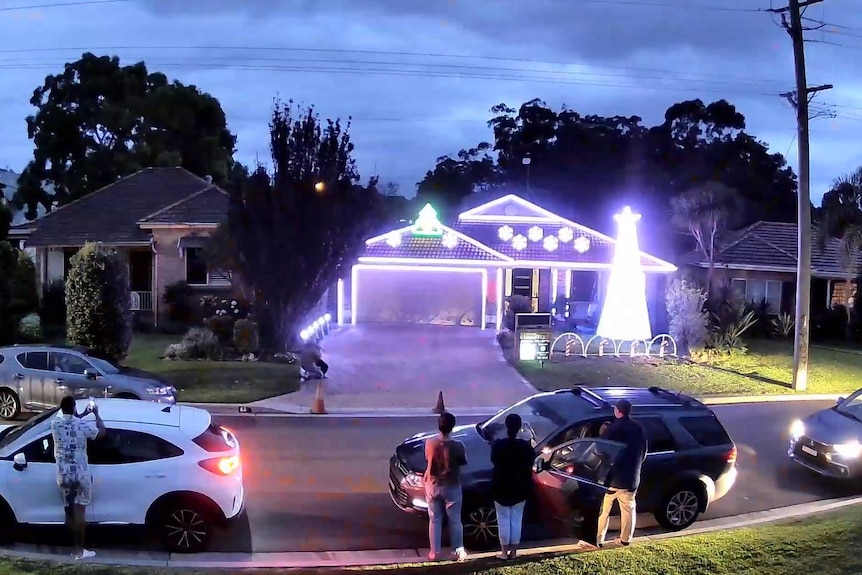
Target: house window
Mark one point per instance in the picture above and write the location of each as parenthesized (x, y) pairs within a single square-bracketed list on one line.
[(755, 291), (840, 294), (198, 273)]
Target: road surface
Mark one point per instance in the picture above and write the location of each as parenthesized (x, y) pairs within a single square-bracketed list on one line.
[(321, 484)]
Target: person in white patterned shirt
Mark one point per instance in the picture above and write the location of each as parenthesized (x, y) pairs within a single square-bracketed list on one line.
[(70, 433)]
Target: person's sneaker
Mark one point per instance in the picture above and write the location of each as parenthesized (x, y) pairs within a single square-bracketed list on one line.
[(625, 543), (460, 554), (85, 554)]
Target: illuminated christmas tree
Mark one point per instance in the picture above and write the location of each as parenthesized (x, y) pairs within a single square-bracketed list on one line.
[(624, 313), (427, 224)]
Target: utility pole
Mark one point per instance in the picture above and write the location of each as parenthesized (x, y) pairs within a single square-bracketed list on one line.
[(800, 100)]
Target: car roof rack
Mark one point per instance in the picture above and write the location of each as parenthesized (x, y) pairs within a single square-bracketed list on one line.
[(584, 391), (685, 399)]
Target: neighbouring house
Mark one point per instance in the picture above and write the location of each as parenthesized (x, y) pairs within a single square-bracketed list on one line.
[(160, 219), (761, 260), (427, 272)]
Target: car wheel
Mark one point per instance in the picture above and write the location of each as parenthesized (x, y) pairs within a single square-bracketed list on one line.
[(8, 522), (481, 530), (680, 507), (10, 405), (186, 527)]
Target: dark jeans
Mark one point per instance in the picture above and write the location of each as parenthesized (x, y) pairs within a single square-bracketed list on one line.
[(324, 367)]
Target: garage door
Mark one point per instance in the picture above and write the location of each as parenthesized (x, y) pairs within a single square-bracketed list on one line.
[(433, 297)]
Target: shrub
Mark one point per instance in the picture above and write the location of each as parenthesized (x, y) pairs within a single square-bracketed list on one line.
[(53, 309), (689, 322), (98, 301), (178, 298), (30, 328), (8, 324), (25, 295), (784, 325), (235, 308), (197, 343), (516, 304), (246, 337), (222, 327)]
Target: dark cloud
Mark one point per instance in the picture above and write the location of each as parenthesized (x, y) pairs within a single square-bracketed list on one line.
[(398, 66)]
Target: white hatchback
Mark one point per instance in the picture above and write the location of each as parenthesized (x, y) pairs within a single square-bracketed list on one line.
[(167, 467)]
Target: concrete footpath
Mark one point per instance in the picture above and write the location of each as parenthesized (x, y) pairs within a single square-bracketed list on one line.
[(394, 557)]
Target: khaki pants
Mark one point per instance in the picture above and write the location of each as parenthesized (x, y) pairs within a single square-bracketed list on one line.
[(626, 500)]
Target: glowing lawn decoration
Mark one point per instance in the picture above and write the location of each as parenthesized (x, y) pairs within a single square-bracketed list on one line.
[(450, 240), (624, 315), (428, 224)]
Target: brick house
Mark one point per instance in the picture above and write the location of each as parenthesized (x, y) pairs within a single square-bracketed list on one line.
[(160, 219), (760, 261)]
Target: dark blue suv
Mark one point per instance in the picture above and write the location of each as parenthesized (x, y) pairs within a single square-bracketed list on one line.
[(829, 442), (691, 460)]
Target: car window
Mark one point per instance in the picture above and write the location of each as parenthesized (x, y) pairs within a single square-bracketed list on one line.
[(706, 430), (40, 451), (120, 446), (591, 460), (542, 416), (34, 360), (19, 431), (2, 358), (68, 363), (659, 437), (582, 430), (104, 365)]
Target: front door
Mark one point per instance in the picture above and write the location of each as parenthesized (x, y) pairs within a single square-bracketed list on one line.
[(571, 483), (33, 491)]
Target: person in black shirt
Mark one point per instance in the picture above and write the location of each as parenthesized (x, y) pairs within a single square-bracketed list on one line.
[(511, 483), (625, 475)]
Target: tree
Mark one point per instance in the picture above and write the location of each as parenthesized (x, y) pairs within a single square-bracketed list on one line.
[(5, 213), (98, 302), (706, 212), (689, 321), (98, 121), (453, 179), (8, 323), (294, 231), (841, 219)]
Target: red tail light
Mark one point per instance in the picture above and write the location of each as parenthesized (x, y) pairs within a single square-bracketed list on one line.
[(731, 456), (221, 465)]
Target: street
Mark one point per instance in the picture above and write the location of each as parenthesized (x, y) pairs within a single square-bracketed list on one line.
[(321, 484)]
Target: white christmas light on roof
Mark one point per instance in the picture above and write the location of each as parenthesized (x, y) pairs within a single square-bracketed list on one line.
[(535, 233), (519, 242), (505, 233), (582, 244), (551, 243), (394, 240), (449, 240), (565, 235)]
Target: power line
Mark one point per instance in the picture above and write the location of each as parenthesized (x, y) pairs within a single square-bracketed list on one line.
[(675, 6), (61, 5)]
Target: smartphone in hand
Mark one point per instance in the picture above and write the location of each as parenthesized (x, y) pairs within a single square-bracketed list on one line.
[(92, 405)]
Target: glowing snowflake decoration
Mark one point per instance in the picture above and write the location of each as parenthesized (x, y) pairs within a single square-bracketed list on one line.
[(519, 242), (506, 233), (582, 244), (551, 243), (535, 233), (565, 235), (394, 240), (450, 241)]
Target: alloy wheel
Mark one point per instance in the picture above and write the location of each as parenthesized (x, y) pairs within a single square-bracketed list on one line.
[(682, 508), (480, 526), (8, 405), (186, 530)]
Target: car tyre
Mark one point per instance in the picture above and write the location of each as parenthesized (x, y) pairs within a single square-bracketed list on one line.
[(10, 405), (186, 526), (481, 531), (8, 522), (680, 507)]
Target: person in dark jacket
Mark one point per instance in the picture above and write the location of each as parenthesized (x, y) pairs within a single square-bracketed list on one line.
[(511, 483), (625, 475)]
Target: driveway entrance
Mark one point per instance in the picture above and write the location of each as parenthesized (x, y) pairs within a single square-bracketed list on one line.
[(405, 366)]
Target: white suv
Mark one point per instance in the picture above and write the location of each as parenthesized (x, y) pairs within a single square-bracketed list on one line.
[(167, 467)]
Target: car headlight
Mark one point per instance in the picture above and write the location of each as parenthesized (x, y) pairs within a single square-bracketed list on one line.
[(159, 390), (414, 480), (851, 449), (797, 429)]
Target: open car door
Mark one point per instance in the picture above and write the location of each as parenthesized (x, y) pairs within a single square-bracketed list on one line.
[(570, 481)]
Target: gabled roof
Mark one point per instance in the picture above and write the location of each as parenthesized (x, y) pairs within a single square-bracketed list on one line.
[(772, 246), (403, 246), (111, 214), (505, 208), (208, 207)]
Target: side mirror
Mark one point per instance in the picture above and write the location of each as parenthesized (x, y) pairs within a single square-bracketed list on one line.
[(91, 374), (20, 461), (840, 400)]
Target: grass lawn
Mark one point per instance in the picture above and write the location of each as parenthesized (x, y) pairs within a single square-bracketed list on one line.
[(765, 369), (825, 545), (212, 381)]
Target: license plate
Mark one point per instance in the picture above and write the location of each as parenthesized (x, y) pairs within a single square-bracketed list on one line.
[(809, 451)]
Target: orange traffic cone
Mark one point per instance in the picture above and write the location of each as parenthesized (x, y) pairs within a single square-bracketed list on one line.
[(318, 407), (440, 407)]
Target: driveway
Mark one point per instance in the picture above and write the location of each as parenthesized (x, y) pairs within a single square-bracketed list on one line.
[(406, 366)]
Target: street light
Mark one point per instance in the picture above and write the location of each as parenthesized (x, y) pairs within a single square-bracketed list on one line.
[(526, 161), (319, 187)]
